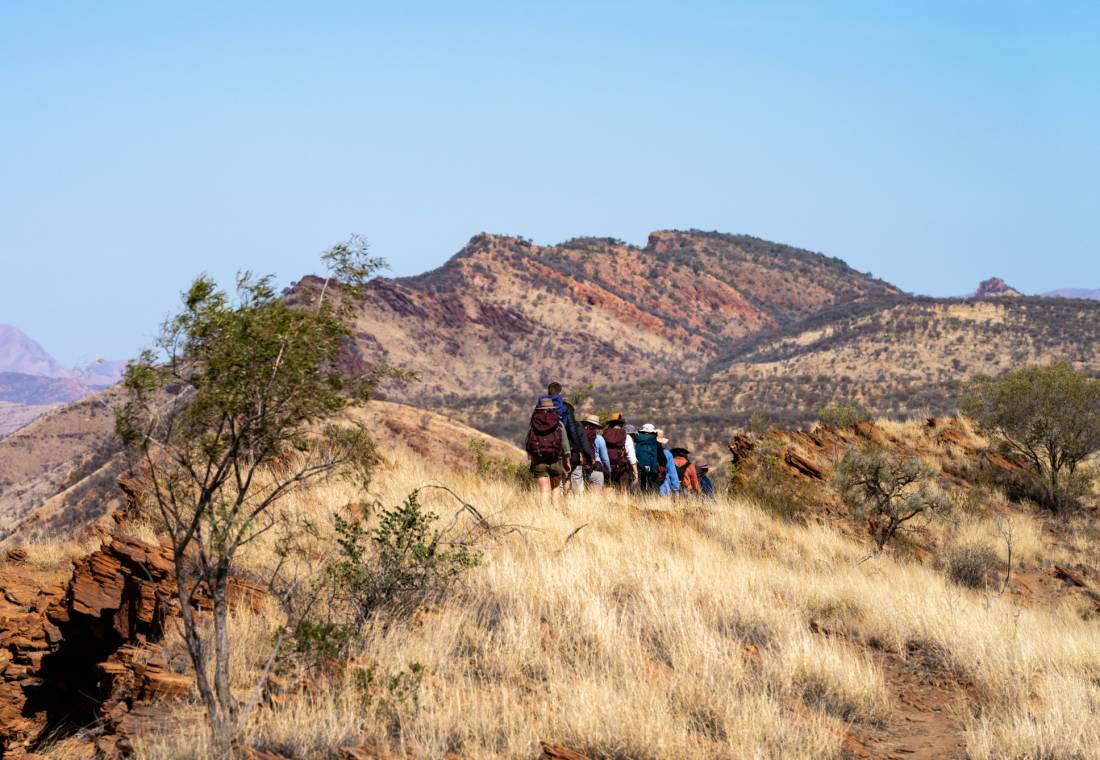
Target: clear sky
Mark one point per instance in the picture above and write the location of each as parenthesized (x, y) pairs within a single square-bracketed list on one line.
[(933, 144)]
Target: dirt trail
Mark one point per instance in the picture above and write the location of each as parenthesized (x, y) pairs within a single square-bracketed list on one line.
[(923, 723)]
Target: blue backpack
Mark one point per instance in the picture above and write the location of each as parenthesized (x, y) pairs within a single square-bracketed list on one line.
[(563, 410)]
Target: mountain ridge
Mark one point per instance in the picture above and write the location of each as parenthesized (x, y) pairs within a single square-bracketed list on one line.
[(508, 312)]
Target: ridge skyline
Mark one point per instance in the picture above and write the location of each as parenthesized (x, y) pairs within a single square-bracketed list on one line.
[(73, 362)]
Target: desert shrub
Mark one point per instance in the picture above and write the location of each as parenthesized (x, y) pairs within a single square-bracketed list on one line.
[(396, 568), (969, 564), (890, 492), (238, 406), (502, 470), (1049, 417), (842, 415)]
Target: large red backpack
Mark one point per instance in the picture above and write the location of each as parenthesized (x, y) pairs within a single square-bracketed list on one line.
[(615, 438), (544, 437)]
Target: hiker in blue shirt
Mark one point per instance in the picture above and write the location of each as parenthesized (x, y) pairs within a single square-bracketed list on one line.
[(671, 484), (704, 481), (598, 469)]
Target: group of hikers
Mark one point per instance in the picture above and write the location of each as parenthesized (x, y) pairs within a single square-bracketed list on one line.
[(568, 454)]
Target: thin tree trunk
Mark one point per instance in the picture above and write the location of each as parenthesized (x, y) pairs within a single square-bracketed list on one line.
[(194, 647), (221, 650)]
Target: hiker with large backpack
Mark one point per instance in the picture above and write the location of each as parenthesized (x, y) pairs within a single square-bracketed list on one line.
[(548, 450), (598, 471), (581, 453), (650, 458), (670, 485), (620, 453), (689, 476)]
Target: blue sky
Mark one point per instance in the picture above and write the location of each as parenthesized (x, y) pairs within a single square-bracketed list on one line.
[(933, 144)]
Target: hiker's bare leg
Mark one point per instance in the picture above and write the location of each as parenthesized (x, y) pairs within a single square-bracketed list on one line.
[(545, 490), (555, 490)]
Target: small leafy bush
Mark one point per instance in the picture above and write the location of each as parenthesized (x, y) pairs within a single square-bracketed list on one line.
[(970, 564), (394, 569), (889, 492), (502, 470), (842, 415)]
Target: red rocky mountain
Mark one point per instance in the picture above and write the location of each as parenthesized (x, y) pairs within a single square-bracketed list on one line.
[(995, 287), (504, 313)]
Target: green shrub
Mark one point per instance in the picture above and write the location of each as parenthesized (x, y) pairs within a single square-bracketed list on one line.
[(497, 469), (394, 569), (890, 492), (1050, 418), (842, 415)]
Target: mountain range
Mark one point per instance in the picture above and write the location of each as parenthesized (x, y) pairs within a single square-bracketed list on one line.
[(697, 331), (32, 382), (1074, 293)]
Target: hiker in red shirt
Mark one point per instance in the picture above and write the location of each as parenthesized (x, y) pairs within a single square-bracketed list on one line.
[(689, 476)]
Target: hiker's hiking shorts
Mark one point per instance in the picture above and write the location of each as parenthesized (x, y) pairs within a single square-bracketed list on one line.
[(547, 469)]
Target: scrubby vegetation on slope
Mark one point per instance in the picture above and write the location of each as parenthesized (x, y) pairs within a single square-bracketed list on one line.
[(633, 629), (896, 357)]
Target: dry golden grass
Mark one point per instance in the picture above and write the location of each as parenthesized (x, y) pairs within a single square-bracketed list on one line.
[(691, 637)]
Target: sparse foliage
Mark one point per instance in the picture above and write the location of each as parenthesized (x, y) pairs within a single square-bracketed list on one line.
[(970, 564), (842, 415), (497, 469), (234, 411), (1049, 416), (889, 492), (398, 566)]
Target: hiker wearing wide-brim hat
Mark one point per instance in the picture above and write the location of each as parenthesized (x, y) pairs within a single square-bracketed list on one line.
[(598, 470), (704, 480), (651, 459), (620, 452), (547, 449), (689, 475)]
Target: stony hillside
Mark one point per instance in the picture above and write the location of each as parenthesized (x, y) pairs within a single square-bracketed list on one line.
[(619, 627), (58, 475), (508, 314), (15, 416), (895, 356), (32, 382)]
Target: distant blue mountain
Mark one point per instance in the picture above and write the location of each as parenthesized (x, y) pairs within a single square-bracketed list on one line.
[(1074, 293)]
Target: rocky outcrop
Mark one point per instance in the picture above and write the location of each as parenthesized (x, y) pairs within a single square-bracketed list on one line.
[(995, 287), (30, 617), (809, 458), (87, 652)]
